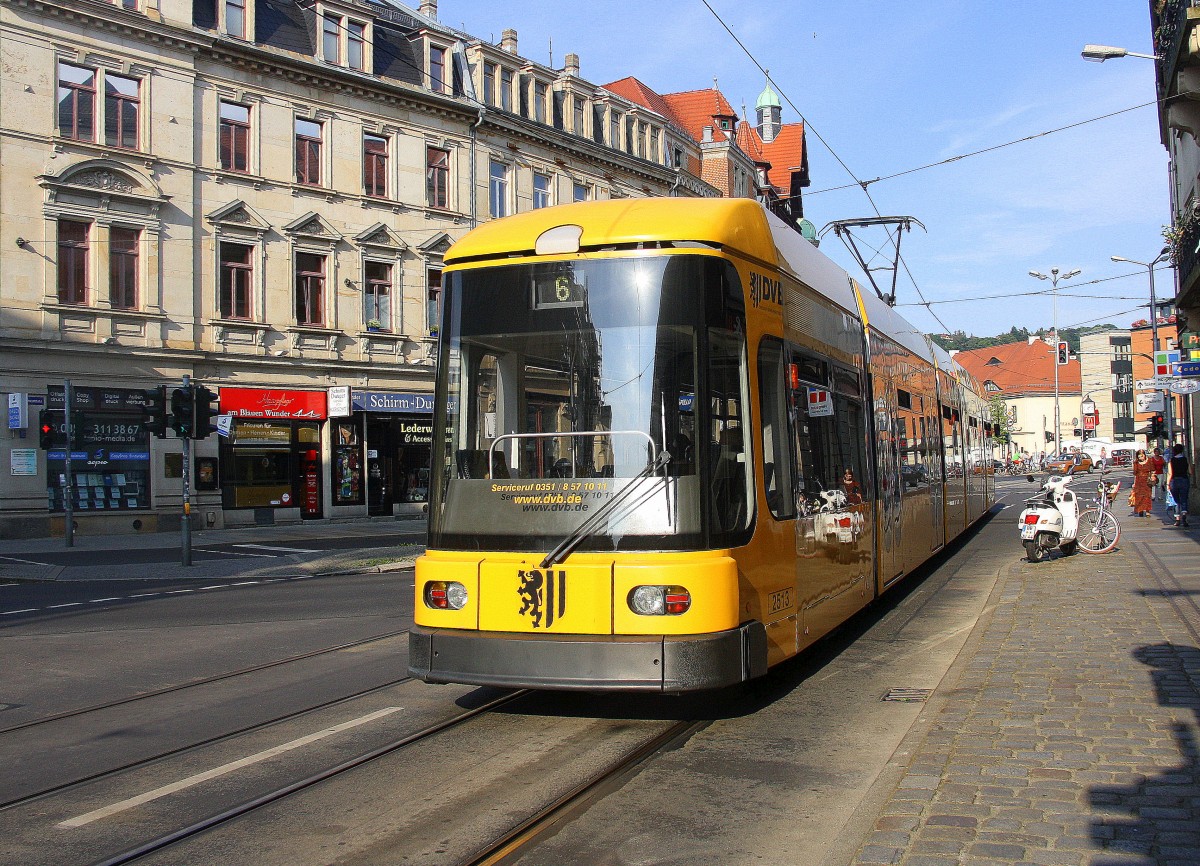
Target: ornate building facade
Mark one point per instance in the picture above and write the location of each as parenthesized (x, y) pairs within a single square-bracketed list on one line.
[(257, 194)]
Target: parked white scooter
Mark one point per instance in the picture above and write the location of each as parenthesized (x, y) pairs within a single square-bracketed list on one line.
[(1050, 519)]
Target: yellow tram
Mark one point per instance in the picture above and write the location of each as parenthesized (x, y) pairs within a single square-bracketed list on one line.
[(680, 445)]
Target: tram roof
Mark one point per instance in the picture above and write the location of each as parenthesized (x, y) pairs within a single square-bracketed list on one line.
[(732, 223)]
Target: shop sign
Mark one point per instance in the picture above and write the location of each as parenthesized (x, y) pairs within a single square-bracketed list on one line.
[(262, 433), (101, 399), (392, 401), (820, 403), (273, 403), (339, 401)]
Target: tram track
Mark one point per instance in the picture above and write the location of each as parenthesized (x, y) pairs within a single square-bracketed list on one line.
[(112, 772), (245, 808), (508, 848), (167, 690)]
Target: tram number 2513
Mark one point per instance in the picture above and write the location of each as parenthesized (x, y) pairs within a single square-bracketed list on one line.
[(780, 600)]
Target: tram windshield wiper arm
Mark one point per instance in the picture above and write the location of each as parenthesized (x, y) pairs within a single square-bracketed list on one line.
[(583, 530)]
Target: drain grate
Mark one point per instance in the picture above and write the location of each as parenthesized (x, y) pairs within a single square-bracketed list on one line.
[(907, 696)]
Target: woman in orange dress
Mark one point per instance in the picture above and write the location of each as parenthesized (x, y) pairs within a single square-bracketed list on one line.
[(1143, 472)]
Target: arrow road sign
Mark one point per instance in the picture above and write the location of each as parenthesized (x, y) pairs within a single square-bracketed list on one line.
[(1155, 384)]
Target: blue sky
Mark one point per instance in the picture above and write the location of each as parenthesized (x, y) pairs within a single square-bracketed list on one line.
[(894, 86)]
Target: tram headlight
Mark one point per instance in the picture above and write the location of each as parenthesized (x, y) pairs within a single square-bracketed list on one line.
[(659, 600), (445, 595)]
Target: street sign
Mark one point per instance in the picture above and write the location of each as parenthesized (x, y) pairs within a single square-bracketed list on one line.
[(224, 425), (1188, 368), (1163, 362), (1185, 386), (1151, 401), (1155, 384)]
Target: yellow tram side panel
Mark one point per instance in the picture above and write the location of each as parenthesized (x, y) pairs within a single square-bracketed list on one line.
[(590, 592)]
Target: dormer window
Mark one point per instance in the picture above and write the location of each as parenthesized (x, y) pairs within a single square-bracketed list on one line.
[(437, 68), (345, 41), (234, 12)]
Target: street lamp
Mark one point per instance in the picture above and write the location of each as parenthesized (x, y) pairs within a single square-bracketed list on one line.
[(1054, 278), (1100, 53), (1149, 266)]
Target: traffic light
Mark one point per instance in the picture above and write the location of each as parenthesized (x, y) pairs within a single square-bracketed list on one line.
[(1049, 435), (154, 413), (206, 409), (1156, 426), (1064, 353), (183, 412), (46, 428)]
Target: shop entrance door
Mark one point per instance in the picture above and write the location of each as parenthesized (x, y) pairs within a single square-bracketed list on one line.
[(308, 464), (380, 489)]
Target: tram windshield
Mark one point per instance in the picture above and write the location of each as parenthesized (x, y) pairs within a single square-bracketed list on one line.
[(560, 383)]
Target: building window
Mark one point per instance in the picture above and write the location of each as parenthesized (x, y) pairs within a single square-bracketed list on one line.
[(489, 83), (437, 69), (73, 261), (433, 306), (614, 130), (76, 102), (237, 270), (437, 177), (630, 134), (498, 190), (331, 39), (121, 111), (375, 154), (234, 137), (541, 190), (308, 152), (1122, 410), (356, 45), (377, 295), (577, 116), (506, 81), (539, 101), (581, 192), (123, 268), (310, 289), (235, 18), (654, 151), (678, 157)]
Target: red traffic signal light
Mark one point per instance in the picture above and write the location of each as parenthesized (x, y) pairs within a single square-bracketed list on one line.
[(46, 429), (1064, 353)]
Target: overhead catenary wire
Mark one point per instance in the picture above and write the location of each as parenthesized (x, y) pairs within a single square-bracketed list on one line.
[(809, 127)]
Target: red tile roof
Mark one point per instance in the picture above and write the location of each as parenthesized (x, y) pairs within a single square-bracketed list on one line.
[(695, 109), (635, 91), (1021, 369)]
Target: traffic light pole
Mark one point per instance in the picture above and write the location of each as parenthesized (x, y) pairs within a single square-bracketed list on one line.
[(186, 525), (69, 482)]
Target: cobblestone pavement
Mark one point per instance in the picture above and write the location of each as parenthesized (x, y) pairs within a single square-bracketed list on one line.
[(1067, 731)]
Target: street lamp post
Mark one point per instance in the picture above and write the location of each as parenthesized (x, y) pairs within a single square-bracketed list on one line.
[(1100, 53), (1054, 278), (1149, 266)]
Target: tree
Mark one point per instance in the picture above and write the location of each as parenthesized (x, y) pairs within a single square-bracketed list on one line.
[(999, 412)]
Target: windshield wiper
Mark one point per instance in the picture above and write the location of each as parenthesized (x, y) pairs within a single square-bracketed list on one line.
[(568, 544)]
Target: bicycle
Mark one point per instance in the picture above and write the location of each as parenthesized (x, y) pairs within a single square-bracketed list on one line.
[(1099, 530)]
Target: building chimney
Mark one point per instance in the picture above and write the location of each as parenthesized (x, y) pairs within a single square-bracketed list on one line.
[(429, 9), (572, 67), (508, 41), (708, 132)]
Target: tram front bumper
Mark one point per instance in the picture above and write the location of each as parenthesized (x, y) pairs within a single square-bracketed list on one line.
[(653, 663)]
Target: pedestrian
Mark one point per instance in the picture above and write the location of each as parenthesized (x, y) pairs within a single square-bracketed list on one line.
[(1103, 459), (1143, 472), (1160, 466), (1179, 483)]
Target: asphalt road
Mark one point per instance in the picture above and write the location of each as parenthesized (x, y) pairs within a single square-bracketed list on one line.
[(779, 769)]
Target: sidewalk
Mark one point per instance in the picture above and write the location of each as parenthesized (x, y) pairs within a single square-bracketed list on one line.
[(386, 545), (1067, 730)]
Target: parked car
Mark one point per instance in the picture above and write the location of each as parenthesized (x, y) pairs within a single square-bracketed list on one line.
[(1070, 463)]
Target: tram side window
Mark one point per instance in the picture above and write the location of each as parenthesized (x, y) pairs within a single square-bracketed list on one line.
[(829, 443), (778, 474)]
